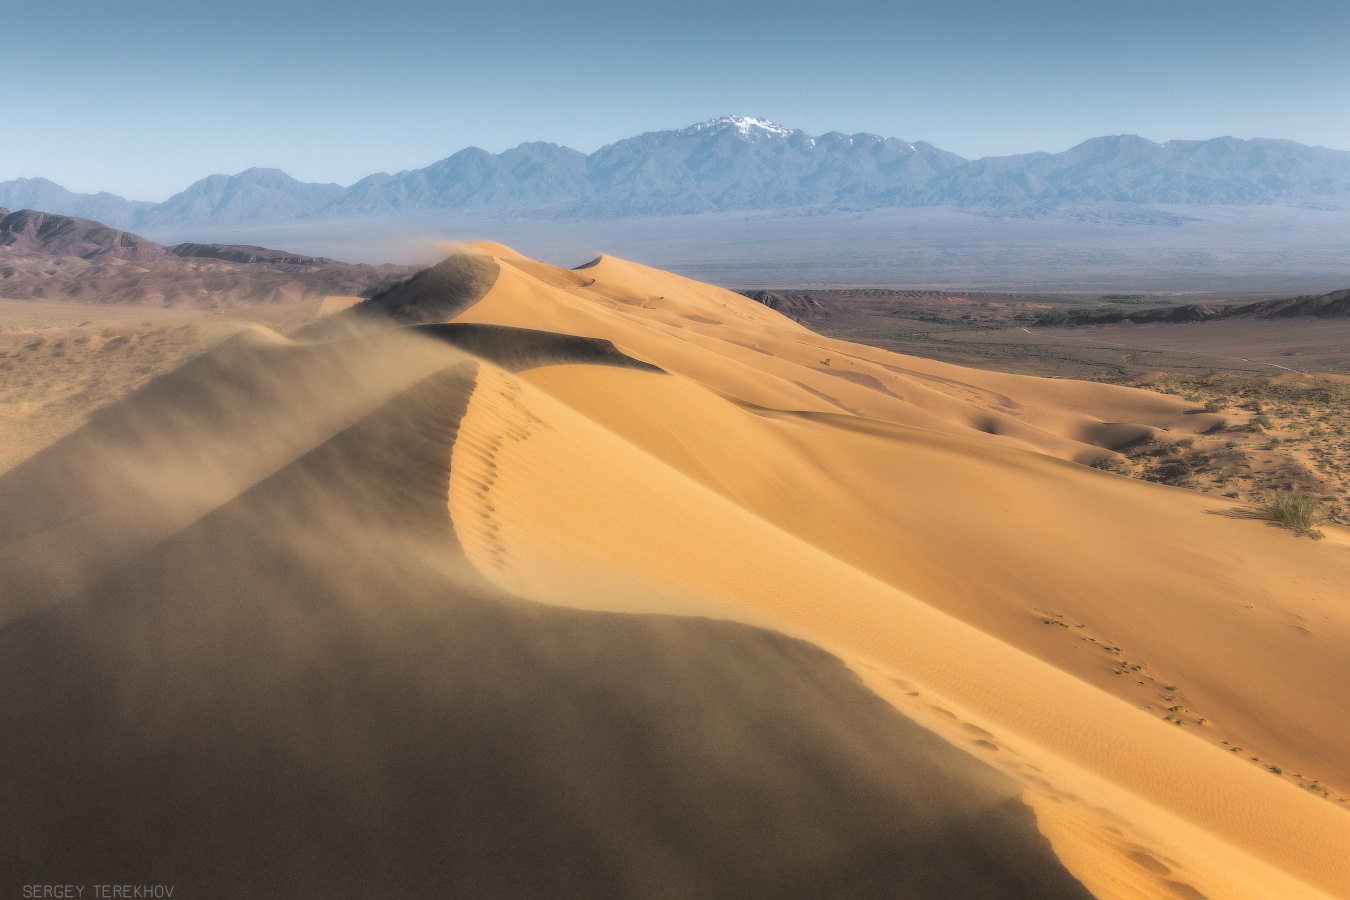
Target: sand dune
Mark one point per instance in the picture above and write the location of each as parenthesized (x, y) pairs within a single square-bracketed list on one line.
[(603, 582)]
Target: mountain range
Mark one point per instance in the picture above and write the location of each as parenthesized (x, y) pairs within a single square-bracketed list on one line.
[(736, 163)]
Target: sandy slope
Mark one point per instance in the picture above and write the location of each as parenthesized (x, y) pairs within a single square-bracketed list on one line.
[(250, 567), (546, 528), (1170, 599)]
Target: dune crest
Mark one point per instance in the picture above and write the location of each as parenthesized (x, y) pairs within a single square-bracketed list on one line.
[(604, 582)]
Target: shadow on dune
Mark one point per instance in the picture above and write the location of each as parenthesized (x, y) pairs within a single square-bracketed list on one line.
[(308, 692), (517, 349), (437, 294)]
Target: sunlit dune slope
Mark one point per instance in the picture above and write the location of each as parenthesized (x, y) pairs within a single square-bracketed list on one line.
[(1180, 582), (309, 691), (1178, 604), (538, 512), (746, 350), (1249, 622)]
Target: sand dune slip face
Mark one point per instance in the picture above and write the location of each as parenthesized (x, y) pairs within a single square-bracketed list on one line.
[(530, 582)]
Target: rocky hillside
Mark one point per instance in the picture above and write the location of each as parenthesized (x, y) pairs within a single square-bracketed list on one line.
[(44, 256)]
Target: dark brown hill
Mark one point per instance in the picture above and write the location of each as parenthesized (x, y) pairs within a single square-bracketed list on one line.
[(44, 256), (799, 306), (30, 231), (1335, 305), (247, 253), (1325, 306)]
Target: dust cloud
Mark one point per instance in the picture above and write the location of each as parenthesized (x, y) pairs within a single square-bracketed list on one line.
[(244, 654)]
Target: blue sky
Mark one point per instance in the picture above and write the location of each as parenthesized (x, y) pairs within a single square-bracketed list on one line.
[(142, 98)]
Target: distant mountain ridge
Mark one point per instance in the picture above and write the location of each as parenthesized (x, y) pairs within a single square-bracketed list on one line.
[(39, 193), (1333, 305), (741, 164)]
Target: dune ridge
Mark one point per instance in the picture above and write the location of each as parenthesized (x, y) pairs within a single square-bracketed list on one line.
[(604, 582), (309, 691)]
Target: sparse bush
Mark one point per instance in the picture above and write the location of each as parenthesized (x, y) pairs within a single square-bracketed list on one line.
[(1274, 442), (1293, 509), (1229, 444), (1105, 463), (1186, 442), (1213, 406), (1261, 420)]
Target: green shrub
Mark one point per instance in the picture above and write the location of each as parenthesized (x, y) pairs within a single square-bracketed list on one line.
[(1293, 509), (1213, 406)]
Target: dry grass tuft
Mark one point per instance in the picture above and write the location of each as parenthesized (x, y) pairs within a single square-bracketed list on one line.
[(1293, 509)]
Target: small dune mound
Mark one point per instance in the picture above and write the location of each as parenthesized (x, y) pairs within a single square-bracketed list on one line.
[(437, 294)]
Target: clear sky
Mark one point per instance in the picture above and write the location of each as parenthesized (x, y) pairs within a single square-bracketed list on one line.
[(143, 97)]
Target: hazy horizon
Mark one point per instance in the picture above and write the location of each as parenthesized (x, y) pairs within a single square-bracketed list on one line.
[(145, 101)]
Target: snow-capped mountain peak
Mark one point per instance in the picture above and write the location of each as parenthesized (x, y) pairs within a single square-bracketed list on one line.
[(746, 125)]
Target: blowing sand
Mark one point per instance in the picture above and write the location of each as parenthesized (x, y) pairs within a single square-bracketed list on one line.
[(617, 584)]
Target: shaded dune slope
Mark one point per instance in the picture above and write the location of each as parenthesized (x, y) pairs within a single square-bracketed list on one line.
[(436, 294), (309, 692), (516, 349)]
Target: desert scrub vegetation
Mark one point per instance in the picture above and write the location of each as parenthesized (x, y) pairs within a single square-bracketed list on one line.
[(1277, 433), (1107, 464), (1293, 509)]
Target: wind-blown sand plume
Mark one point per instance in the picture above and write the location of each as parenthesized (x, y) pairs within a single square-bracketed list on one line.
[(308, 692), (603, 582), (183, 445)]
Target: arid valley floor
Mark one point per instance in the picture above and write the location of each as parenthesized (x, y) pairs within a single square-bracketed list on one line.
[(524, 581)]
